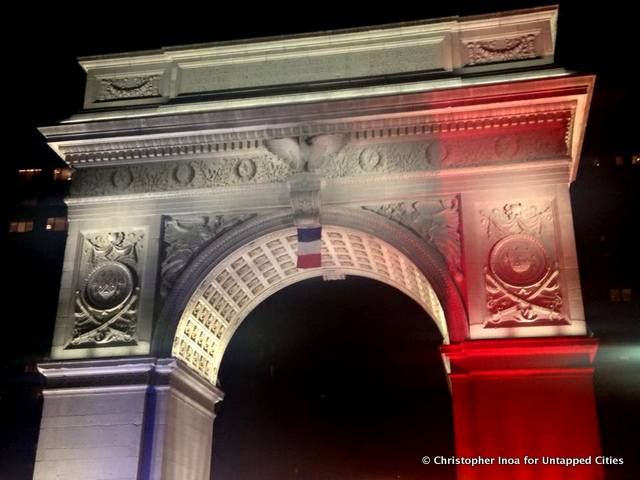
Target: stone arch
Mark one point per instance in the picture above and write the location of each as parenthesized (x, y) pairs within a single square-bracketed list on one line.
[(226, 281)]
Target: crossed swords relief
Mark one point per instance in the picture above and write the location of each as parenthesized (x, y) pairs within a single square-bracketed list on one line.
[(523, 304), (95, 325), (101, 331)]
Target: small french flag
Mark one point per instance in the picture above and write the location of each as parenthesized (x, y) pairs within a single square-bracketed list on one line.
[(309, 247)]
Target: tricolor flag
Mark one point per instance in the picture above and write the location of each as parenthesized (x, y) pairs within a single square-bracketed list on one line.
[(309, 246)]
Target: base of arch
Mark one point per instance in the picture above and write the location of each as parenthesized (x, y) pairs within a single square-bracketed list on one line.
[(522, 398), (126, 418), (153, 418)]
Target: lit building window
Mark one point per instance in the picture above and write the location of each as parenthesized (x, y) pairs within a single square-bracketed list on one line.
[(29, 173), (62, 174), (620, 294), (21, 226), (56, 224), (614, 294)]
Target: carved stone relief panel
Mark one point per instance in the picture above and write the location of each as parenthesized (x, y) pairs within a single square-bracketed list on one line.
[(108, 289), (304, 195), (182, 237), (307, 153), (178, 175), (446, 150), (521, 273), (436, 221), (134, 86), (363, 158), (507, 49)]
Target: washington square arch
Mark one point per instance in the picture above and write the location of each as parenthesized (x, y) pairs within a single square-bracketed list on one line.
[(436, 156)]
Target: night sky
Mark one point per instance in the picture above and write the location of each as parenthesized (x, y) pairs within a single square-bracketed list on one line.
[(342, 378), (44, 73)]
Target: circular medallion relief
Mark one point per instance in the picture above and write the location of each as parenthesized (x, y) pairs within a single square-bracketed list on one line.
[(122, 178), (246, 169), (369, 159), (183, 174), (436, 153), (108, 286), (506, 147), (518, 260)]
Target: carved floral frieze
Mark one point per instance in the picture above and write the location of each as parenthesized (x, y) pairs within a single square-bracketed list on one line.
[(367, 159), (139, 86), (522, 47), (307, 147), (177, 175), (106, 300)]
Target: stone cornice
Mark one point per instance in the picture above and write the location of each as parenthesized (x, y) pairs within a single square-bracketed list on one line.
[(232, 143), (89, 368), (206, 107), (128, 374), (111, 373), (234, 147), (546, 355), (486, 92)]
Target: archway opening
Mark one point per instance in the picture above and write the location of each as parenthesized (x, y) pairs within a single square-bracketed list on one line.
[(211, 303), (333, 380)]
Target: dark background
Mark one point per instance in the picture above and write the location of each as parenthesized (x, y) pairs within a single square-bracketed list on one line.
[(341, 378), (334, 380)]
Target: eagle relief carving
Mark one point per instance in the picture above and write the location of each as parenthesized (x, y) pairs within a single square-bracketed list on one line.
[(307, 153)]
